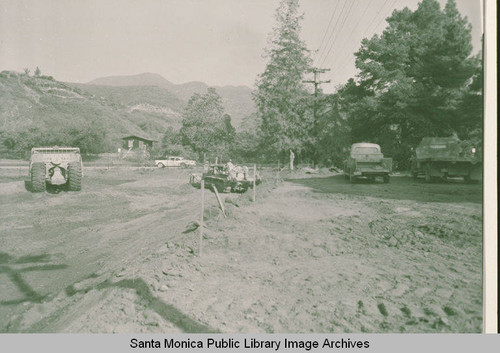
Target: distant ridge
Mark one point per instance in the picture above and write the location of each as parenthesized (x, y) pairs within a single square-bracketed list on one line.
[(237, 100), (144, 79)]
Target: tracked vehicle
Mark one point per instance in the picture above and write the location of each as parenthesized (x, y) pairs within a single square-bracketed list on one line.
[(233, 180), (60, 166)]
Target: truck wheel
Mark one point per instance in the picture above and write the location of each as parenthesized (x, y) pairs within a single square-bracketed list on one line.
[(386, 179), (160, 165), (38, 177), (183, 165), (468, 180), (74, 176), (427, 171)]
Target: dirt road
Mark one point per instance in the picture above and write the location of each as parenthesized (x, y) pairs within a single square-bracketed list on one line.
[(312, 254)]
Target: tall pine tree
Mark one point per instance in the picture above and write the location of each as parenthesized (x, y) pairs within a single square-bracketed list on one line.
[(281, 97)]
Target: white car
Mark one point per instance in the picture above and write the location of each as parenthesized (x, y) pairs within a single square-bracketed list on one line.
[(174, 161)]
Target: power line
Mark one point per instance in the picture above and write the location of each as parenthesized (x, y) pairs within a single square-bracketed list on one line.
[(355, 26), (344, 61), (334, 27), (328, 27), (344, 38), (342, 24), (333, 34), (371, 22), (345, 58)]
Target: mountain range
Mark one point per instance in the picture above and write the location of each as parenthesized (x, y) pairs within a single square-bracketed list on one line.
[(237, 100)]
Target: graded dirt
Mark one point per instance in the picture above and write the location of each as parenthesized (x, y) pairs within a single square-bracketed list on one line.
[(313, 253)]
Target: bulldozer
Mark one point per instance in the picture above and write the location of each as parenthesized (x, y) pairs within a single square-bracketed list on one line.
[(226, 178), (58, 166)]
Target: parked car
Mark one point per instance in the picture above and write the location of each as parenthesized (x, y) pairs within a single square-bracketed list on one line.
[(174, 161)]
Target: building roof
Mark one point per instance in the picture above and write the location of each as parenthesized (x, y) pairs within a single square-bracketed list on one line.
[(137, 138), (365, 144)]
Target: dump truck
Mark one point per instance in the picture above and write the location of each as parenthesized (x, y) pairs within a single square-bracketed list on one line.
[(446, 157), (367, 161), (60, 166)]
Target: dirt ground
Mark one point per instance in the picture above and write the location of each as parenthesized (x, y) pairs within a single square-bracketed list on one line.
[(312, 254)]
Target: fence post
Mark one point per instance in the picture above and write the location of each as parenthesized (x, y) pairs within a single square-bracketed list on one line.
[(278, 173), (219, 200), (201, 217), (254, 177)]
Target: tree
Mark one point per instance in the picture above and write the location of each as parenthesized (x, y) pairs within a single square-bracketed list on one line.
[(205, 128), (413, 78), (246, 143), (333, 137), (38, 72), (281, 98)]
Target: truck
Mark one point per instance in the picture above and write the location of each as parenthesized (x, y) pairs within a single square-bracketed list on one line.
[(367, 161), (446, 157), (59, 166)]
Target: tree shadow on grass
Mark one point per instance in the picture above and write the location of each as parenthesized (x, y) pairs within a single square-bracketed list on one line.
[(399, 188)]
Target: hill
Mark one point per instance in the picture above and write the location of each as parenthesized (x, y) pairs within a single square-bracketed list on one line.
[(42, 111), (35, 110), (151, 99), (237, 100), (144, 79)]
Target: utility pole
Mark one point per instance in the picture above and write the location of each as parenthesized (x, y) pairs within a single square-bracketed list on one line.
[(316, 82)]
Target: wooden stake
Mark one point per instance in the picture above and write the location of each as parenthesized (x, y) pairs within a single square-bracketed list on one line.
[(201, 217), (278, 173), (254, 177), (219, 200)]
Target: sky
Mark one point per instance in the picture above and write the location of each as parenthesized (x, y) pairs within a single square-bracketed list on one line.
[(219, 42)]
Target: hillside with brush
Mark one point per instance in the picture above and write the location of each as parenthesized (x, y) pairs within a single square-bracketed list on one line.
[(38, 110)]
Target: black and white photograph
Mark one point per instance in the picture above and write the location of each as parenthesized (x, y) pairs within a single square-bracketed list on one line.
[(243, 166)]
